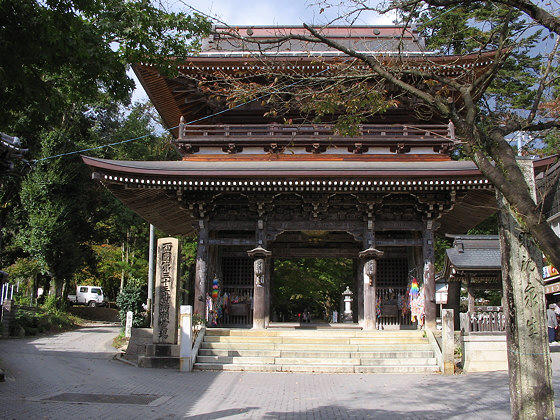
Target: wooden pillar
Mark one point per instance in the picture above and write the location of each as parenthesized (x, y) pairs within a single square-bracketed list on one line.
[(429, 276), (268, 286), (454, 301), (260, 277), (358, 309), (470, 293), (369, 271), (201, 270)]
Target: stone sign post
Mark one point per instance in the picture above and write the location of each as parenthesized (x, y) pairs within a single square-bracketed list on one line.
[(166, 291), (185, 353), (128, 327)]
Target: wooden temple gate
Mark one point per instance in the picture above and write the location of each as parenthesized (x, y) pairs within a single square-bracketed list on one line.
[(254, 186)]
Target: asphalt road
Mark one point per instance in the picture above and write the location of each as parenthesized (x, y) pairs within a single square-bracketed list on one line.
[(73, 376)]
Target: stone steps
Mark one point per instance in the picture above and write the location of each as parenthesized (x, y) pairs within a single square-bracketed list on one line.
[(316, 350), (317, 347)]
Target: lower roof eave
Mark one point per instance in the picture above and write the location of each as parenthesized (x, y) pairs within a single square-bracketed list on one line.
[(216, 170)]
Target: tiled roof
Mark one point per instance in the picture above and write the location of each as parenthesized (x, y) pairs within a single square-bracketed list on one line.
[(475, 252)]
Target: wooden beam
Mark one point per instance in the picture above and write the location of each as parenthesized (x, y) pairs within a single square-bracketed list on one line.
[(407, 225), (315, 225), (313, 253), (232, 241), (398, 242)]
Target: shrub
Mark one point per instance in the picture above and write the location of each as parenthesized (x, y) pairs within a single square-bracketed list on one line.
[(40, 321), (131, 299)]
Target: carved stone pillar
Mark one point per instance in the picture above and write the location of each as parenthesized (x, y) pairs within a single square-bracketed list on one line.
[(369, 257), (429, 276), (201, 270), (261, 276)]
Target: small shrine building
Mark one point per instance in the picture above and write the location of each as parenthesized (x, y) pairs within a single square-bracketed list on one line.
[(255, 189)]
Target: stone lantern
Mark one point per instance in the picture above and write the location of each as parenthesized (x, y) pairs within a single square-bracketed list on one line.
[(348, 299)]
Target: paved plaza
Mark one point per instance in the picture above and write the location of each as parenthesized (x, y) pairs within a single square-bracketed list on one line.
[(74, 376)]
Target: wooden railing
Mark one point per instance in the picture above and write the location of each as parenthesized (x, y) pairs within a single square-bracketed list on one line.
[(484, 319), (399, 132)]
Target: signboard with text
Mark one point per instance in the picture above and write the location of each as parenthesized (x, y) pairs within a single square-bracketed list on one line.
[(166, 291)]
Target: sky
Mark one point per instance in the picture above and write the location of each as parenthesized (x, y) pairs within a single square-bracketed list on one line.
[(263, 12), (272, 12)]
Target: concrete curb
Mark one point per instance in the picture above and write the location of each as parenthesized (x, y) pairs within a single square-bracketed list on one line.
[(119, 358)]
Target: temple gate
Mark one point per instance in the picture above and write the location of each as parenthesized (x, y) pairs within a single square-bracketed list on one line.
[(255, 189)]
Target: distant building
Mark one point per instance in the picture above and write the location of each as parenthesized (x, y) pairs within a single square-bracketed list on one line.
[(548, 184)]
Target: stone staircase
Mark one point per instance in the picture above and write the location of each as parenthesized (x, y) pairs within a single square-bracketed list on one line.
[(316, 350)]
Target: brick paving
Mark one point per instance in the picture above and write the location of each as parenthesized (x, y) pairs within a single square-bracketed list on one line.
[(81, 362)]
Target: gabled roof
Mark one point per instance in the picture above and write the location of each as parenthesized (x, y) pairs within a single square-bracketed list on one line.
[(475, 252), (474, 259)]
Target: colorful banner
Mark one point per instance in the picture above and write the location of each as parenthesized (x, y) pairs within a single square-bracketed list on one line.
[(549, 271)]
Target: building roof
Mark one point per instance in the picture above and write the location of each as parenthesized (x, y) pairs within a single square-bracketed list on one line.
[(548, 184), (10, 151), (475, 259), (223, 53), (288, 168), (240, 40), (475, 252), (152, 189)]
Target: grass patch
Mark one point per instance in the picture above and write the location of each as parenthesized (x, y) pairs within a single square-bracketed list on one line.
[(120, 341)]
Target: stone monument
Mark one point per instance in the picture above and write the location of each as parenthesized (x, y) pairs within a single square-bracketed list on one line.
[(164, 352)]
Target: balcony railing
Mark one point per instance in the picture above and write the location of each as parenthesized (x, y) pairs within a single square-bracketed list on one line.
[(315, 138), (366, 131)]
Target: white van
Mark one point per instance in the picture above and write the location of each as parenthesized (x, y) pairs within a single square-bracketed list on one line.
[(87, 295)]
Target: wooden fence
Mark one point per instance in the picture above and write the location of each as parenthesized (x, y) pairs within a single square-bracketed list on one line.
[(484, 319)]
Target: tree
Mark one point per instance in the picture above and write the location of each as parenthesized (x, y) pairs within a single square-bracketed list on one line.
[(84, 52), (486, 107), (67, 70)]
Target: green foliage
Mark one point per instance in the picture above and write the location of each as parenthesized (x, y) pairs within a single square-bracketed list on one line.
[(475, 26), (43, 320), (52, 303), (552, 143), (312, 284), (440, 245), (75, 51), (198, 319), (131, 299), (24, 271), (488, 227)]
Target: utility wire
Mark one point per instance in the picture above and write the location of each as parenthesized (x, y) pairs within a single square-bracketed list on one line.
[(172, 128)]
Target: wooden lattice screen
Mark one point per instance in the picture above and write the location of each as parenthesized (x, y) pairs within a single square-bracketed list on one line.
[(392, 281), (237, 282)]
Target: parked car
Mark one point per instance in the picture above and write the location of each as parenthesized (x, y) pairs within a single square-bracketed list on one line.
[(88, 295)]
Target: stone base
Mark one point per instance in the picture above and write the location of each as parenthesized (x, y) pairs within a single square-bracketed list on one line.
[(139, 339), (484, 353), (160, 356)]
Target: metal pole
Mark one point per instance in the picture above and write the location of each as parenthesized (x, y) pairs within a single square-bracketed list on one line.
[(151, 269)]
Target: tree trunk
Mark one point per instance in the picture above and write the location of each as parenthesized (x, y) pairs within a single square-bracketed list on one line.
[(123, 247), (530, 374)]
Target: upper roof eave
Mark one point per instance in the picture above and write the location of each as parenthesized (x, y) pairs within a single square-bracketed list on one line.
[(221, 57)]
